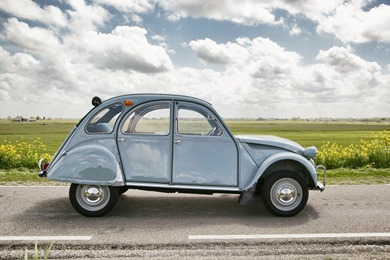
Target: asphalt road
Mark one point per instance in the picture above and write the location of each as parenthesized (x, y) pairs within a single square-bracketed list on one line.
[(149, 224)]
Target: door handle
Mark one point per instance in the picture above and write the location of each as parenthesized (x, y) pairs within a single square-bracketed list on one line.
[(121, 140), (177, 142)]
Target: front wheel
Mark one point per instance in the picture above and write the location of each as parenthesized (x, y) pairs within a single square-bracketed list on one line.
[(285, 194), (92, 200)]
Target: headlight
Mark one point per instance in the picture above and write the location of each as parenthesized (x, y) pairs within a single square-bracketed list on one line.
[(310, 152)]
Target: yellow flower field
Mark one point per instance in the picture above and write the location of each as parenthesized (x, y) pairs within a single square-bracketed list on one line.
[(22, 154), (372, 154)]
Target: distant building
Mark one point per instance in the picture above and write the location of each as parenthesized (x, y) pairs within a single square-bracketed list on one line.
[(20, 119)]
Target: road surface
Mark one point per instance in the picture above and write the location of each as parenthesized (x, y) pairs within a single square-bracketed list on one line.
[(342, 221)]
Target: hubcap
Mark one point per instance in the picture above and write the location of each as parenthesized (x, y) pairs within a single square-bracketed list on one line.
[(286, 194), (92, 197), (93, 194)]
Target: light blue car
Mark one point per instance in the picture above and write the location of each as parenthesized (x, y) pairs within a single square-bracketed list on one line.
[(174, 143)]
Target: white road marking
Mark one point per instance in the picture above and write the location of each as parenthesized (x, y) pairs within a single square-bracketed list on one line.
[(44, 238), (34, 186), (288, 236)]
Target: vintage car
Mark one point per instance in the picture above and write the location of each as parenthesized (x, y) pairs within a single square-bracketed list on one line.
[(174, 143)]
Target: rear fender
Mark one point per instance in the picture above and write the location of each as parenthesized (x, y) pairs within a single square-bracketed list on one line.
[(285, 156), (88, 164)]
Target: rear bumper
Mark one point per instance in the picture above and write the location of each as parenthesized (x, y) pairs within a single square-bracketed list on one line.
[(321, 185)]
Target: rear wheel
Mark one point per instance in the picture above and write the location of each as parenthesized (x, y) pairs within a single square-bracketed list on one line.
[(285, 194), (93, 200)]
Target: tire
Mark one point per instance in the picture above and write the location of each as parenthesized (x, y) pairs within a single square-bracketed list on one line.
[(285, 194), (92, 200)]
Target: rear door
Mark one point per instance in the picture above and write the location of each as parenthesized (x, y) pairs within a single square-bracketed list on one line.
[(203, 151)]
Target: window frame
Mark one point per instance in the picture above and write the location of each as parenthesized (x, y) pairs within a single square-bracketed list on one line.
[(145, 109), (214, 122)]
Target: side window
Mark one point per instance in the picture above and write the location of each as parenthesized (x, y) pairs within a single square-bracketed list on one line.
[(151, 119), (196, 121), (104, 121)]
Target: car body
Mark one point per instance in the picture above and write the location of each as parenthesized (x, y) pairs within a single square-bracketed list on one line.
[(176, 143)]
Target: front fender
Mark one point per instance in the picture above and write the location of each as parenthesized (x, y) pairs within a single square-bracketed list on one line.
[(88, 164), (281, 157)]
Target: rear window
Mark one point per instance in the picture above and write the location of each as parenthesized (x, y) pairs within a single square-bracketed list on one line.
[(104, 121)]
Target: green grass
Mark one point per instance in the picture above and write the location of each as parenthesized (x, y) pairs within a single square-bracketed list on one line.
[(51, 132), (23, 176), (37, 254), (357, 176), (310, 133)]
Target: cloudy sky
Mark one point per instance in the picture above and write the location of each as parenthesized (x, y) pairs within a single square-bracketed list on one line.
[(250, 58)]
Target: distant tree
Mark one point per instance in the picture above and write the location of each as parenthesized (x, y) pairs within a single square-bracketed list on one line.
[(38, 118)]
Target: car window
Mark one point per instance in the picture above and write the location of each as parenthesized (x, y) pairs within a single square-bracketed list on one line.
[(152, 119), (196, 121), (104, 121)]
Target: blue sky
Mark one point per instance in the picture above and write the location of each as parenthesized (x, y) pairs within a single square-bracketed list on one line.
[(249, 58)]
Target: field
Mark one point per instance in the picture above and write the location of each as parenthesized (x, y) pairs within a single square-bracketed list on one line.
[(53, 132), (348, 135), (309, 133), (50, 132)]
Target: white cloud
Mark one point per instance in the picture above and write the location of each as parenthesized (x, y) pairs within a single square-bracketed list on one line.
[(350, 23), (136, 6), (347, 20), (342, 78), (61, 67), (18, 62), (27, 9), (295, 30), (30, 38), (130, 10), (85, 17), (212, 52), (245, 12), (311, 9), (158, 38), (344, 61), (125, 48), (269, 60), (56, 67), (279, 85)]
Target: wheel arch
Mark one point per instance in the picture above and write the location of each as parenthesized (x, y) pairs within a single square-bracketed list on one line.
[(283, 162), (89, 164)]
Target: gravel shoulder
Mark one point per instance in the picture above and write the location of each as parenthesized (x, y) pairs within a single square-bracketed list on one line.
[(356, 249)]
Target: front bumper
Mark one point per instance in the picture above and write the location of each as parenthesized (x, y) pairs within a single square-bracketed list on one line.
[(321, 186)]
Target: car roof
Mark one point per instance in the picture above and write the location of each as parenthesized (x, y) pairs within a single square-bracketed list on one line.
[(156, 96)]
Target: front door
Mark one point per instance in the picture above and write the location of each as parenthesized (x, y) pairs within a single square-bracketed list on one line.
[(145, 143), (204, 153)]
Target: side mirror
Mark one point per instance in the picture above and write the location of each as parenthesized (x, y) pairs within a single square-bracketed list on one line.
[(96, 101)]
